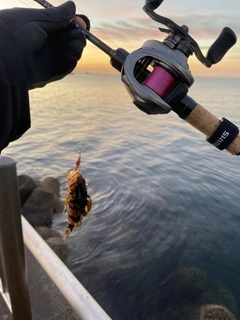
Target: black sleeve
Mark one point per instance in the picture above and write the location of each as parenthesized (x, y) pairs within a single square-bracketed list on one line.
[(14, 99)]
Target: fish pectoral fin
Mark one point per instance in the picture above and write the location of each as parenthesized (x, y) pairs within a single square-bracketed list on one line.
[(67, 233), (65, 208)]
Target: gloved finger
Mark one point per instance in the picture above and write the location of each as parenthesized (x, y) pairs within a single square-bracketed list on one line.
[(55, 69), (56, 18), (76, 47), (61, 40), (75, 34), (30, 38), (63, 65), (52, 19), (68, 40)]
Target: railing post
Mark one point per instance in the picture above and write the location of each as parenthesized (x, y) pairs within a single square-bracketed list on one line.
[(12, 256)]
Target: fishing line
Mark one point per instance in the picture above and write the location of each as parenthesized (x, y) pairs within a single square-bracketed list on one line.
[(80, 135), (152, 80), (98, 28), (78, 162), (24, 3), (92, 22)]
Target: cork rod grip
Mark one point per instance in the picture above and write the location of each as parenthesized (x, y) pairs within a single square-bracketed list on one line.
[(207, 123)]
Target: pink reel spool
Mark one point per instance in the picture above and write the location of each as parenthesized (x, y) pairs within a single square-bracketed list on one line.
[(160, 81)]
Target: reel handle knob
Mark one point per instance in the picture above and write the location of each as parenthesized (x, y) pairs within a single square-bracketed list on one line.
[(223, 43), (153, 4)]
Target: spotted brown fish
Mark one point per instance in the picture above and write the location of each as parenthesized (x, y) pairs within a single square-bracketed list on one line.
[(78, 203)]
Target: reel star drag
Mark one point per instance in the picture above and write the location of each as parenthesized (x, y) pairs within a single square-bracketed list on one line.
[(157, 76)]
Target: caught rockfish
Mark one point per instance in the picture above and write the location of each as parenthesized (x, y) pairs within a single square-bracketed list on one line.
[(78, 203)]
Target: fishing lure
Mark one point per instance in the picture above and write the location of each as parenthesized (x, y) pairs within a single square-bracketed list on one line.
[(78, 203)]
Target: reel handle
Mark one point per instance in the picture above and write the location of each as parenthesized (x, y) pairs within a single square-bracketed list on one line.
[(203, 120)]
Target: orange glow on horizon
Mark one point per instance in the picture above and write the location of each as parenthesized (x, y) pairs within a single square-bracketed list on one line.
[(94, 61)]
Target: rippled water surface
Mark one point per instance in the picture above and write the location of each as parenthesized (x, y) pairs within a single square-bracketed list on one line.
[(164, 234)]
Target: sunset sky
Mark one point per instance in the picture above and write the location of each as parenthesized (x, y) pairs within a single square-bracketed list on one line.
[(124, 24)]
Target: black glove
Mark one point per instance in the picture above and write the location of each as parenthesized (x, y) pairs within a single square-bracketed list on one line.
[(49, 45)]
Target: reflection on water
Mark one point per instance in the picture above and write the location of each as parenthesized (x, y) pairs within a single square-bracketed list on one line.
[(163, 237)]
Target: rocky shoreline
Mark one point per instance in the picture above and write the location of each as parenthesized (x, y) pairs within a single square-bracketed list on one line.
[(200, 298), (39, 201)]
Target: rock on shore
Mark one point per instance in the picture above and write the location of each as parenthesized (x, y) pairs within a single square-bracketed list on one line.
[(55, 241), (39, 201)]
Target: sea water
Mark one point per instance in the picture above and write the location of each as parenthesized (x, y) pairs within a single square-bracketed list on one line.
[(163, 237)]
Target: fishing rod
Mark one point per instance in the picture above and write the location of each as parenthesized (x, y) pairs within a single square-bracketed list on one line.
[(157, 76)]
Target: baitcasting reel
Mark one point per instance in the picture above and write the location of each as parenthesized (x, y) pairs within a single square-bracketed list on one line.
[(157, 69), (168, 60), (157, 76)]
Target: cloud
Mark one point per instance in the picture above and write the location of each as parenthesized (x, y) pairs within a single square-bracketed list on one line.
[(202, 28)]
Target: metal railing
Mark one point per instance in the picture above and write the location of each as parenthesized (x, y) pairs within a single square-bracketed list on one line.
[(12, 267), (13, 283)]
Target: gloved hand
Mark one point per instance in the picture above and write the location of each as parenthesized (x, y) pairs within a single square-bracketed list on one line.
[(49, 45)]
